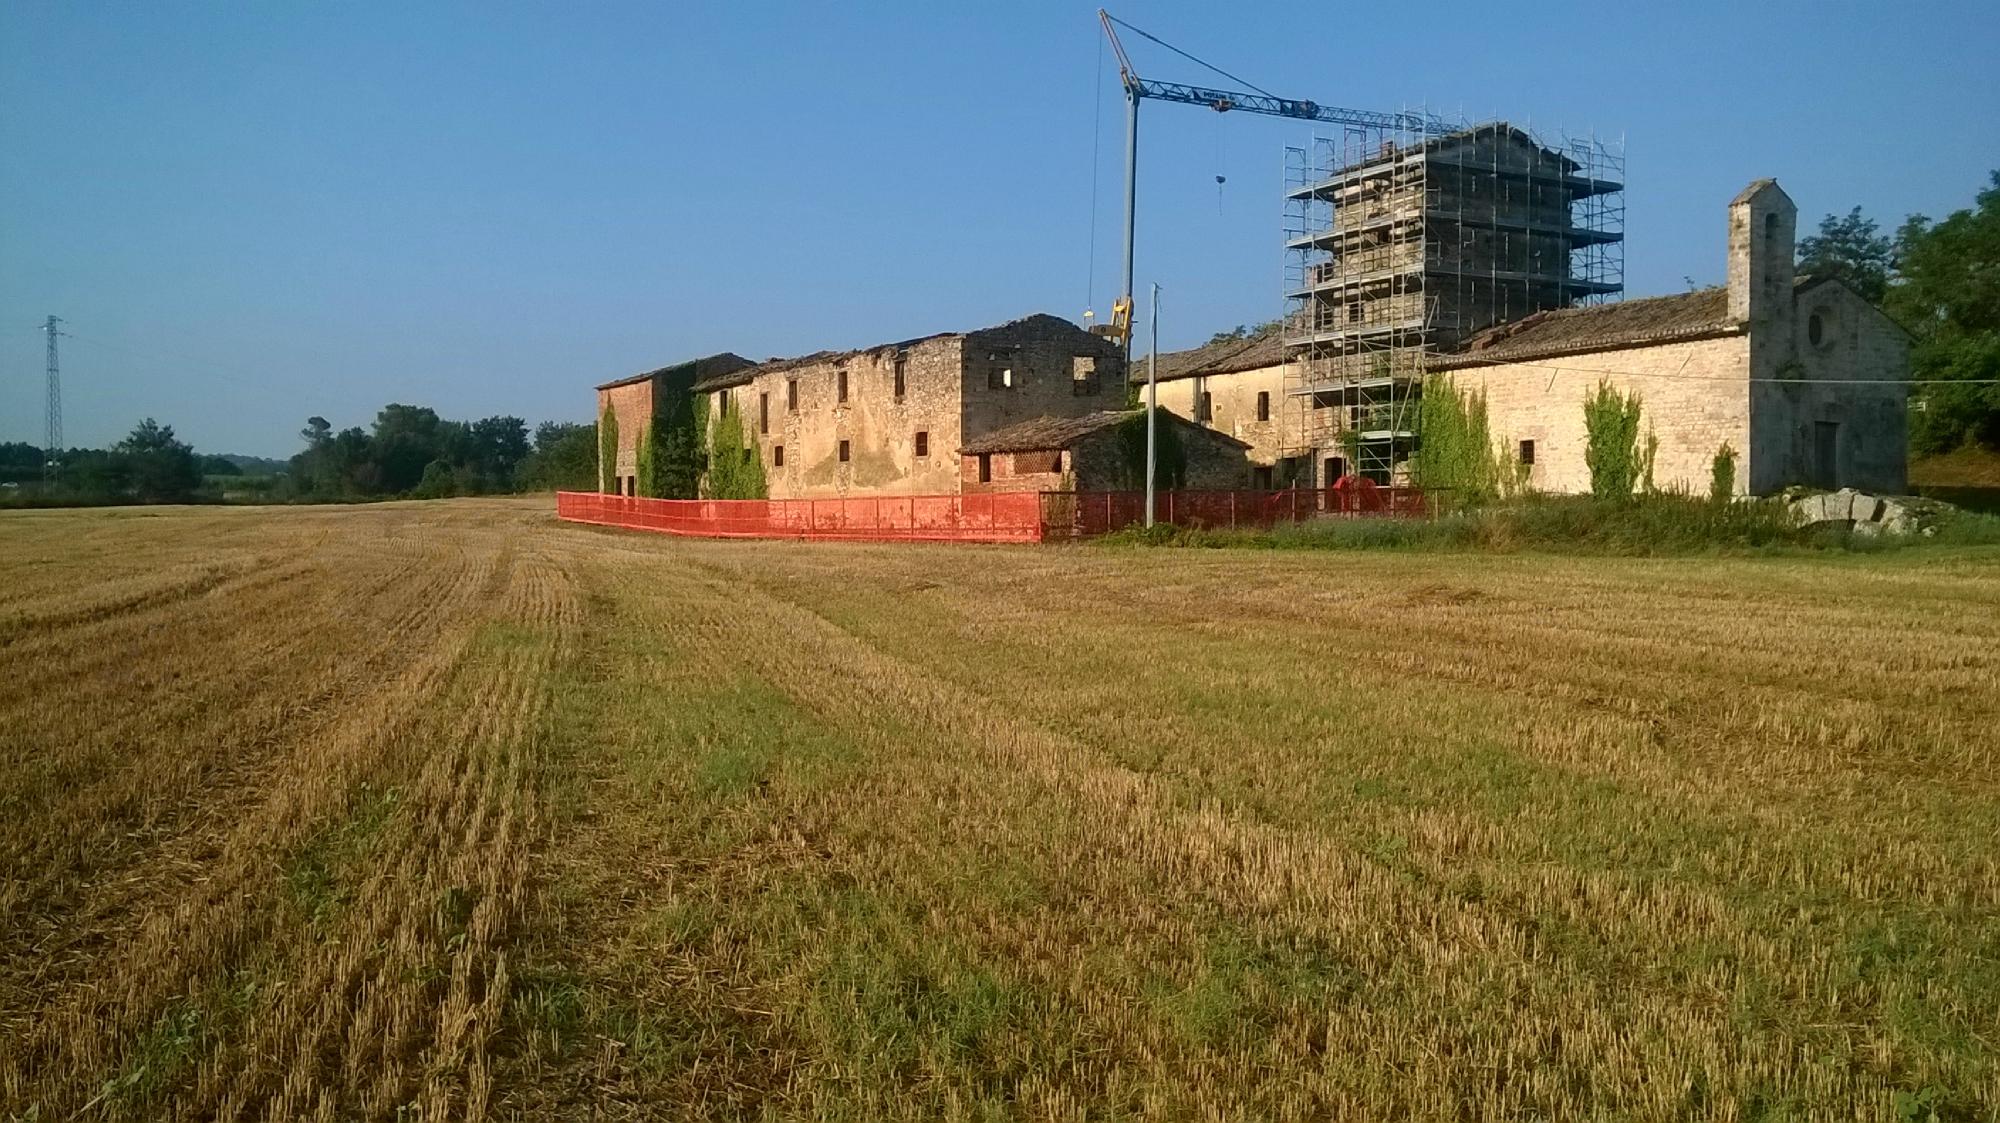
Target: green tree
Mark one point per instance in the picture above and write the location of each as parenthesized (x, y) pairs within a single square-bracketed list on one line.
[(1611, 428), (1722, 474), (564, 458), (437, 482), (607, 452), (1850, 249), (405, 440), (163, 470), (648, 462), (1947, 293)]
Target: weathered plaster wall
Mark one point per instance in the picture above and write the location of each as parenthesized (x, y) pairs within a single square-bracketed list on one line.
[(1858, 347)]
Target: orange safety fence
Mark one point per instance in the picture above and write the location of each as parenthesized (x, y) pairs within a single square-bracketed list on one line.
[(1084, 514), (998, 517)]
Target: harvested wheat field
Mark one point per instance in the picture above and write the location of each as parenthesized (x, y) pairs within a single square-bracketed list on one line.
[(447, 810)]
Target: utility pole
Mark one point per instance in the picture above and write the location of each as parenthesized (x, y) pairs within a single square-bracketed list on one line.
[(1152, 398), (52, 438)]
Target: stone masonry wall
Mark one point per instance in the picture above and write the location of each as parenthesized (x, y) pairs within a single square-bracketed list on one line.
[(1233, 407), (1689, 401), (1028, 368), (1856, 342), (880, 428)]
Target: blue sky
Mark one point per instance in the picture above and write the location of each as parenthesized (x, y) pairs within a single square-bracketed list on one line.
[(252, 213)]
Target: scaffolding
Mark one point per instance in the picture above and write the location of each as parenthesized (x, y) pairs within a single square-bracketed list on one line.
[(1400, 246)]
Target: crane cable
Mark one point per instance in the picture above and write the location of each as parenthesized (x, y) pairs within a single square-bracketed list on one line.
[(1096, 131), (1191, 58)]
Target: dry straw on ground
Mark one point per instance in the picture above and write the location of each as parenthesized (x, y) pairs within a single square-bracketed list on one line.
[(448, 811)]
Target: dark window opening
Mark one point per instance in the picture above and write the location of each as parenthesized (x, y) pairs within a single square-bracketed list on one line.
[(1826, 454), (1262, 477), (721, 402), (748, 452), (1336, 470), (777, 456), (986, 467), (1083, 376), (1055, 462), (792, 394), (843, 452), (1815, 329), (840, 386), (764, 413), (1000, 378), (923, 443), (1263, 405), (1207, 408), (1527, 454), (902, 366)]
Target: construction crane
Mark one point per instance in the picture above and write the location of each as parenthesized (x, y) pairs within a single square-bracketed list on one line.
[(1222, 101)]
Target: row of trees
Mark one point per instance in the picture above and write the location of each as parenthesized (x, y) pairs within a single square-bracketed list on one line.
[(150, 465), (411, 451), (1940, 280)]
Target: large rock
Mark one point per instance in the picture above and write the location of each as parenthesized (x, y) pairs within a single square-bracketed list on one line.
[(1868, 515)]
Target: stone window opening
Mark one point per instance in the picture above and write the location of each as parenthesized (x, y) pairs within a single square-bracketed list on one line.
[(923, 443), (1815, 329), (1527, 454), (1263, 405), (1083, 376), (721, 402), (843, 452), (764, 412), (1000, 378), (777, 456), (986, 467), (901, 365), (792, 395), (1206, 410), (840, 385)]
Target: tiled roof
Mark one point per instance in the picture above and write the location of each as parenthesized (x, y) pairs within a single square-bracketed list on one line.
[(1049, 433), (1225, 356), (708, 366), (774, 365), (1700, 314)]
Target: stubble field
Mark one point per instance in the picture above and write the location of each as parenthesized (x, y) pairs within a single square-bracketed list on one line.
[(446, 810)]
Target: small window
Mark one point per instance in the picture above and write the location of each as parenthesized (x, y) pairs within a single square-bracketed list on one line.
[(1083, 376), (1263, 477), (763, 413), (1263, 405), (1527, 454), (721, 401), (840, 385), (748, 454), (843, 452), (1207, 406), (923, 443), (1000, 378), (902, 369), (777, 456), (792, 394), (1055, 462), (1815, 329), (986, 467)]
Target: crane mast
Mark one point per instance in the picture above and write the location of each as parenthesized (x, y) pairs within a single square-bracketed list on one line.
[(1222, 101)]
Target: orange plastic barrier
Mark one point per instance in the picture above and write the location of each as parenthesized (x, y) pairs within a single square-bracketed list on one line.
[(1001, 517)]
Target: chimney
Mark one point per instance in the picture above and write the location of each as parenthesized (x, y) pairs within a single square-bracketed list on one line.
[(1763, 222)]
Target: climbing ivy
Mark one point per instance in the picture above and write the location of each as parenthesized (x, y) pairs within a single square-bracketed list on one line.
[(1722, 474), (1455, 450), (1169, 457), (1611, 428), (607, 452), (735, 471)]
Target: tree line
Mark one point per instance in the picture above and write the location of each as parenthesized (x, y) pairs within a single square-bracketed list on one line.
[(409, 452)]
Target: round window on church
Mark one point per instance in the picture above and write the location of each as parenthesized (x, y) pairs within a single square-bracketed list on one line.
[(1815, 329)]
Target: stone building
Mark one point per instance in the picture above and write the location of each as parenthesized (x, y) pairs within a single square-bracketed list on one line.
[(1709, 366), (1103, 451), (632, 404), (890, 419)]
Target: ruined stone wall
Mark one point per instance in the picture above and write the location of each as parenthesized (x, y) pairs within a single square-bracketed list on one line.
[(1695, 396), (1016, 471), (632, 405), (879, 427), (1028, 369), (1856, 345)]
